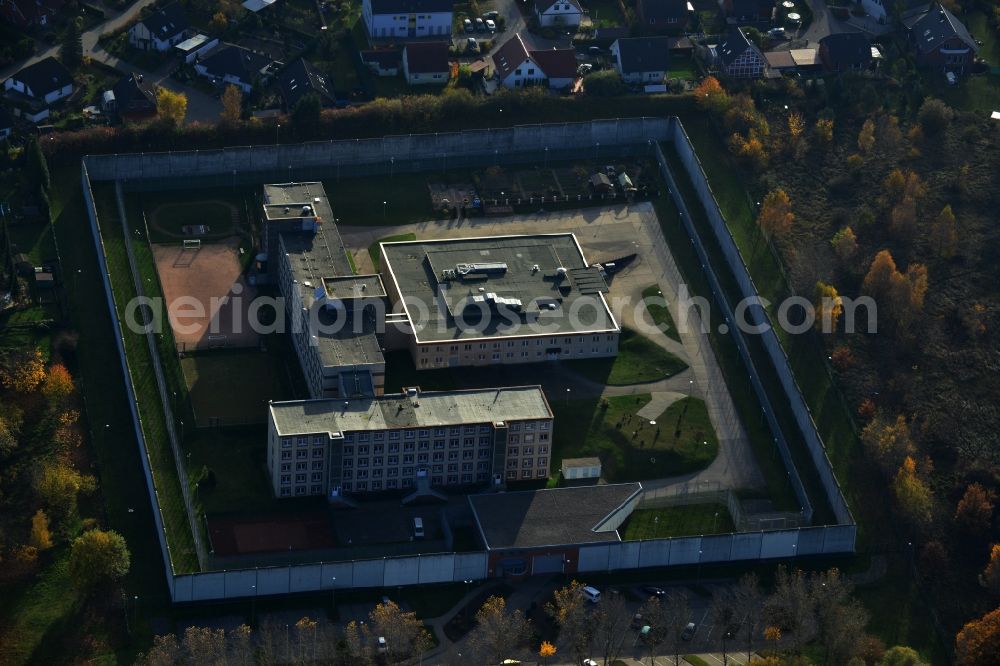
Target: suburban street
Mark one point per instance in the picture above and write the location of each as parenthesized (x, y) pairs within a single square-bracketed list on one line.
[(201, 107)]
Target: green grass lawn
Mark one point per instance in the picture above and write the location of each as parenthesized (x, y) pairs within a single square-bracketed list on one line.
[(373, 249), (682, 441), (681, 67), (605, 13), (639, 360), (695, 660), (150, 410), (233, 386), (33, 239), (173, 217), (678, 521), (659, 313), (403, 199)]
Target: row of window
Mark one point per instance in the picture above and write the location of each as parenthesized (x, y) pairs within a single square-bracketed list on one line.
[(511, 343), (381, 461), (451, 479), (515, 451), (527, 474), (286, 479), (302, 466), (422, 433), (408, 471), (301, 490), (528, 462)]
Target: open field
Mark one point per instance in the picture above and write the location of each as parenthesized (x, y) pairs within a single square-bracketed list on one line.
[(677, 521), (229, 387)]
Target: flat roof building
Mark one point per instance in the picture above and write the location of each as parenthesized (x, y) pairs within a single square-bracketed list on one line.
[(333, 316), (500, 299), (453, 438)]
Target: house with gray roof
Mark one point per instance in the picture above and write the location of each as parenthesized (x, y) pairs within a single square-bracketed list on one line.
[(739, 58), (642, 60), (407, 19), (160, 30), (941, 41)]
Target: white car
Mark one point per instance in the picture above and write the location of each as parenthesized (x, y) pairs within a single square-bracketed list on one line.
[(467, 25), (584, 68), (490, 25), (776, 33)]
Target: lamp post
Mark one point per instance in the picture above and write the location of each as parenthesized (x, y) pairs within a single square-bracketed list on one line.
[(276, 128), (333, 598), (385, 207), (253, 603), (135, 609)]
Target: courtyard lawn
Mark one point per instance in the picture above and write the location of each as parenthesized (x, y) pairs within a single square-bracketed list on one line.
[(373, 249), (677, 521), (682, 441), (375, 201), (659, 313), (232, 387), (639, 361)]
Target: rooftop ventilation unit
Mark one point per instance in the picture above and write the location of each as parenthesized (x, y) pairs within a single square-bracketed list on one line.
[(487, 268)]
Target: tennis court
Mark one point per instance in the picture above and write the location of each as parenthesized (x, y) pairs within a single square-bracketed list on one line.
[(242, 535)]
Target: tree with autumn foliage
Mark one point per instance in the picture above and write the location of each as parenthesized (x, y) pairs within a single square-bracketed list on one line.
[(775, 217), (845, 244), (901, 655), (546, 651), (569, 611), (990, 578), (404, 633), (866, 138), (97, 557), (978, 643), (904, 294), (22, 372), (912, 492), (232, 105), (974, 513), (888, 441), (711, 96), (829, 306), (499, 634), (58, 385), (41, 538), (824, 130), (944, 233), (171, 106)]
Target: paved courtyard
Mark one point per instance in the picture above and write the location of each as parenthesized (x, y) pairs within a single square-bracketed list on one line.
[(606, 234)]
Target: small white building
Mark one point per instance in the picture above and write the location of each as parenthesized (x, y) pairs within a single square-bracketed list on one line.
[(558, 13), (160, 30), (407, 19), (581, 468), (194, 47)]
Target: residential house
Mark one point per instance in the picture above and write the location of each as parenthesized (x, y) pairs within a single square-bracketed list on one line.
[(407, 19), (195, 47), (516, 67), (27, 14), (35, 88), (642, 60), (941, 40), (426, 63), (845, 52), (880, 10), (300, 79), (161, 30), (748, 12), (383, 62), (132, 99), (234, 64), (663, 15), (739, 58), (558, 13)]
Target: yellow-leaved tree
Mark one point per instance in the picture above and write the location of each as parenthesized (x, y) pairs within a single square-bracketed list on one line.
[(172, 106)]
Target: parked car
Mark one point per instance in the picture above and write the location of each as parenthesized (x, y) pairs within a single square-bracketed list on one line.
[(688, 632), (490, 25), (776, 33), (467, 24), (654, 591), (584, 68), (588, 662), (480, 25), (591, 594), (472, 45), (383, 646), (492, 16)]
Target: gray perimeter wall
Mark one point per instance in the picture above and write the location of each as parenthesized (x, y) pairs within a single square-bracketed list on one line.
[(758, 315), (526, 144)]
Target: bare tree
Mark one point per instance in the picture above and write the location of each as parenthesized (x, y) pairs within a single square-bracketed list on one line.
[(724, 613), (611, 627), (568, 609), (498, 634), (240, 645), (165, 652), (358, 644), (666, 620), (205, 646), (840, 619), (790, 608), (749, 601)]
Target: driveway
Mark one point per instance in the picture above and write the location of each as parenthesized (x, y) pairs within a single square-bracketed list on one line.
[(823, 23), (201, 107)]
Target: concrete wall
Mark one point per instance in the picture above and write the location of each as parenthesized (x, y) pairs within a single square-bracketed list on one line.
[(388, 155), (759, 315), (88, 198)]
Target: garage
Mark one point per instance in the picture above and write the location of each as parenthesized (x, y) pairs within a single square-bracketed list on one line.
[(545, 564)]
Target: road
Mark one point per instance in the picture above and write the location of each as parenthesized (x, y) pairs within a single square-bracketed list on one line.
[(201, 107)]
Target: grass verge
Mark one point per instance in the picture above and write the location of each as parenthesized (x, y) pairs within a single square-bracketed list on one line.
[(659, 312), (373, 249), (678, 521)]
